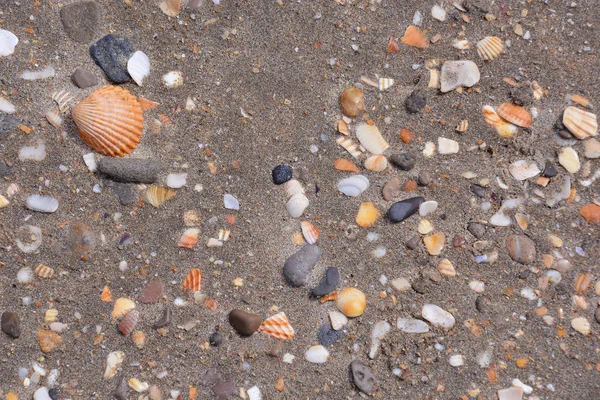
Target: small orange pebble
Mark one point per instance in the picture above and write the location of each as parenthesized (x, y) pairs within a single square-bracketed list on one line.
[(561, 332), (522, 362), (410, 185), (14, 396), (342, 164), (492, 374), (591, 213), (367, 215), (193, 392), (230, 219), (211, 304), (541, 311), (406, 135), (25, 129), (280, 385)]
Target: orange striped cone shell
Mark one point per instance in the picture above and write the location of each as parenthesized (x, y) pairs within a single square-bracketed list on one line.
[(193, 281), (277, 326)]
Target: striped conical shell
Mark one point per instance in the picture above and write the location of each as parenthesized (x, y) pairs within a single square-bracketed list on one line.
[(110, 121), (193, 281), (277, 326), (128, 323)]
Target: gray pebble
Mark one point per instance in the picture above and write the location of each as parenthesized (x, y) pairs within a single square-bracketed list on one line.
[(561, 288), (298, 267), (121, 389), (54, 393), (5, 170), (7, 123), (404, 161), (479, 191), (420, 285), (565, 134), (391, 189), (81, 20), (111, 53), (124, 191), (476, 229), (425, 178), (329, 282), (413, 242), (165, 320), (224, 390), (363, 377), (133, 170), (84, 79), (415, 102), (524, 274), (402, 210), (481, 304), (327, 336), (216, 339)]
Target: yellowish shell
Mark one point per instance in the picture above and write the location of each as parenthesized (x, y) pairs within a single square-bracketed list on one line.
[(367, 215), (515, 114), (277, 326), (310, 232), (376, 163), (435, 243), (580, 123), (3, 201), (171, 7), (446, 268), (189, 239), (371, 139), (385, 83), (490, 47), (504, 129), (139, 338), (48, 340), (43, 271), (157, 195), (138, 385), (122, 306), (351, 302), (581, 325), (50, 315), (350, 146), (297, 238), (110, 121)]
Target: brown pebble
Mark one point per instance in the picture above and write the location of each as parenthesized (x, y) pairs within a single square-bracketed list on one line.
[(153, 292), (352, 101), (406, 135), (391, 189), (458, 241), (521, 249), (409, 186), (48, 340), (165, 320), (243, 322), (11, 324)]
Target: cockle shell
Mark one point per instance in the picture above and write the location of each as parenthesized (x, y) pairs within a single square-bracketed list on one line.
[(317, 354), (354, 185), (44, 204), (446, 268), (459, 73), (157, 195), (351, 302), (310, 232), (490, 47), (580, 123), (53, 116), (293, 187), (50, 315), (342, 164), (62, 99), (415, 38), (43, 271), (122, 306), (110, 121), (193, 281), (352, 101), (581, 325), (138, 385), (350, 146), (504, 129), (371, 139), (138, 67), (128, 323), (338, 320), (376, 163), (189, 239), (296, 205), (277, 326), (367, 215), (171, 7), (385, 83), (515, 114)]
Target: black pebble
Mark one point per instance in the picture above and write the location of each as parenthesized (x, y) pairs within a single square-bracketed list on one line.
[(404, 161), (216, 339), (111, 53), (54, 394), (401, 210), (415, 102), (281, 174), (328, 283), (327, 336), (549, 170), (478, 190)]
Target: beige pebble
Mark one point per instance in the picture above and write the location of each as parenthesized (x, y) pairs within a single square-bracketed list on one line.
[(555, 240)]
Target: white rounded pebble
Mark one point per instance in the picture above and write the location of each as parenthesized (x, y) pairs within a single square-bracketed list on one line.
[(58, 327), (429, 149), (317, 354), (173, 79), (230, 202), (42, 394), (6, 106), (25, 275), (402, 285), (8, 42), (457, 360), (528, 293), (288, 358), (427, 208), (477, 286), (44, 204), (176, 181), (410, 325), (438, 13), (437, 316), (33, 153)]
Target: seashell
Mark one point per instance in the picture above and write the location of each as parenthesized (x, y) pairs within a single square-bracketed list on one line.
[(224, 234), (6, 106), (138, 385), (438, 13), (371, 139), (523, 169), (157, 195), (568, 158), (538, 91), (122, 306), (392, 46), (310, 232), (351, 302), (456, 360), (434, 78), (110, 120), (25, 275), (462, 126), (3, 201), (106, 295), (579, 301), (277, 326), (582, 282), (43, 271), (147, 104), (44, 204), (293, 187), (296, 205), (48, 340), (447, 146), (463, 73), (582, 124), (492, 118), (317, 355), (427, 207), (437, 316), (338, 320), (350, 146), (342, 127), (424, 227), (212, 242), (490, 47), (352, 101), (128, 323), (28, 238), (367, 215), (446, 268), (581, 325), (62, 99), (342, 164), (376, 163), (54, 118), (139, 339), (415, 38), (8, 42), (138, 67), (192, 281), (171, 7), (411, 325), (579, 99), (230, 202), (591, 213), (368, 81), (298, 238), (385, 83), (189, 239), (50, 315), (435, 243), (515, 114), (461, 44), (380, 330), (152, 292)]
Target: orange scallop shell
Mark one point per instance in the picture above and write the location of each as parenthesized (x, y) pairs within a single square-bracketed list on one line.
[(515, 114), (414, 37), (582, 281), (110, 121), (193, 281), (277, 326)]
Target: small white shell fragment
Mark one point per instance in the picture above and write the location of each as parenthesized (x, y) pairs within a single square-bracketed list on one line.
[(173, 79), (58, 327), (176, 181), (54, 118), (254, 393), (563, 193), (469, 175), (461, 44), (427, 207), (138, 67), (568, 158), (179, 302), (459, 73), (526, 389), (25, 275), (429, 149), (371, 139), (438, 13), (402, 285), (317, 354), (512, 393), (293, 187), (523, 169), (410, 325), (33, 153), (354, 185), (456, 360), (34, 235), (338, 320), (437, 316), (8, 42), (447, 146), (90, 161), (288, 358), (385, 83), (138, 385), (47, 72), (581, 325), (6, 106), (380, 330), (500, 218), (44, 204), (230, 202), (484, 358), (296, 205), (190, 105), (113, 362), (477, 286), (212, 242), (42, 394), (528, 293), (554, 276)]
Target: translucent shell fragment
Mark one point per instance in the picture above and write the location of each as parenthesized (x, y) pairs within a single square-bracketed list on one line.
[(277, 326), (415, 38), (193, 281), (371, 139)]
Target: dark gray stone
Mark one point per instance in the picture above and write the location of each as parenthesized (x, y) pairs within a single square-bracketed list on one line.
[(7, 123), (81, 20), (522, 96), (215, 339), (329, 282), (549, 170), (327, 336), (165, 320), (476, 229), (281, 174), (11, 324), (243, 322), (404, 161), (111, 53), (420, 285), (413, 242), (132, 170), (54, 393), (416, 102), (425, 178), (565, 134), (479, 191), (362, 376), (481, 304), (524, 274), (5, 170), (84, 79), (121, 389), (297, 268), (124, 191), (401, 210)]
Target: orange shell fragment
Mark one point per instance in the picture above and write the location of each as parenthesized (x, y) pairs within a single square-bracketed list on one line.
[(106, 295), (342, 164), (415, 38), (277, 326), (591, 213), (193, 281), (367, 215)]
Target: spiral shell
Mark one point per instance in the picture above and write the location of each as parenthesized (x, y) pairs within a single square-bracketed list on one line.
[(489, 47), (277, 326), (128, 323), (515, 114), (371, 139), (580, 123), (110, 121), (193, 281), (43, 271), (310, 232), (157, 195)]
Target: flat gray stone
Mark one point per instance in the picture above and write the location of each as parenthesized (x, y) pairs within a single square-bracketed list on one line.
[(111, 53), (363, 377), (84, 79), (81, 20), (298, 267)]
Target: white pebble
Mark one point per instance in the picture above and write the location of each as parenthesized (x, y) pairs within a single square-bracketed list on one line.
[(8, 42), (317, 354), (173, 79), (526, 389), (457, 360), (528, 293), (438, 13), (90, 161), (380, 330), (42, 394), (33, 153), (254, 393), (230, 202), (175, 181), (25, 275), (437, 316), (6, 106), (410, 325), (288, 358), (477, 286), (447, 146), (429, 149)]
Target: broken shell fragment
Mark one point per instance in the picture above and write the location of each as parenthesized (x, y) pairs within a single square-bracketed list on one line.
[(48, 340), (582, 124), (376, 163), (317, 354), (354, 185), (591, 213), (293, 187), (392, 46), (371, 139), (415, 38), (338, 320), (504, 129), (62, 99), (349, 145), (122, 306), (515, 114), (44, 204), (113, 362), (138, 385), (192, 281), (435, 243), (310, 232), (351, 302), (352, 101), (385, 84), (189, 239), (437, 316), (173, 79), (138, 66), (53, 116), (462, 126), (128, 323), (523, 169), (296, 205), (277, 326), (568, 158), (367, 215), (459, 73), (43, 271), (490, 47), (157, 195), (342, 164)]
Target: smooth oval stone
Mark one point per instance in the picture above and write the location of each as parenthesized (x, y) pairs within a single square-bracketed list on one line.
[(391, 189), (133, 170), (329, 282), (243, 322), (404, 161), (363, 377), (297, 268), (425, 178), (111, 53), (410, 325), (84, 79), (521, 249), (121, 389), (80, 20), (54, 393), (437, 316), (281, 174), (401, 210), (476, 229), (11, 324)]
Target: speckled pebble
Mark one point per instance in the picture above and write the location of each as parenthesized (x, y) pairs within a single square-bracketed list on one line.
[(80, 20), (363, 377), (404, 161), (298, 266), (391, 189), (281, 174), (327, 336)]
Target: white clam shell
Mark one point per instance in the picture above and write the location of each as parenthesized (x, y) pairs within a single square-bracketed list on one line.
[(175, 181), (138, 67), (354, 185), (317, 354), (437, 316), (371, 139), (173, 79), (338, 320), (447, 146), (293, 187), (296, 205), (410, 325), (45, 204), (459, 73), (6, 106), (523, 169), (254, 393), (581, 325), (113, 362), (8, 42)]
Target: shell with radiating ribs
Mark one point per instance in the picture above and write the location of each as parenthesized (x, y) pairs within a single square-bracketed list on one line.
[(193, 281), (581, 124), (490, 47), (515, 114), (43, 271), (110, 120), (277, 326)]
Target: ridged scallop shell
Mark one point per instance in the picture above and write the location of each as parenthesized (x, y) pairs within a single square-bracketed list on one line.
[(62, 99), (350, 146), (296, 205), (338, 320), (371, 139), (128, 323), (582, 281), (277, 326), (367, 215), (462, 126), (310, 232), (157, 195), (171, 7), (223, 234), (490, 47), (376, 163), (122, 306), (139, 339), (415, 38), (44, 271), (53, 116), (580, 123), (504, 129), (293, 187), (515, 114), (45, 204), (51, 315), (354, 185), (113, 362), (193, 281), (138, 66), (110, 121), (351, 302), (341, 164), (445, 267), (189, 239)]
